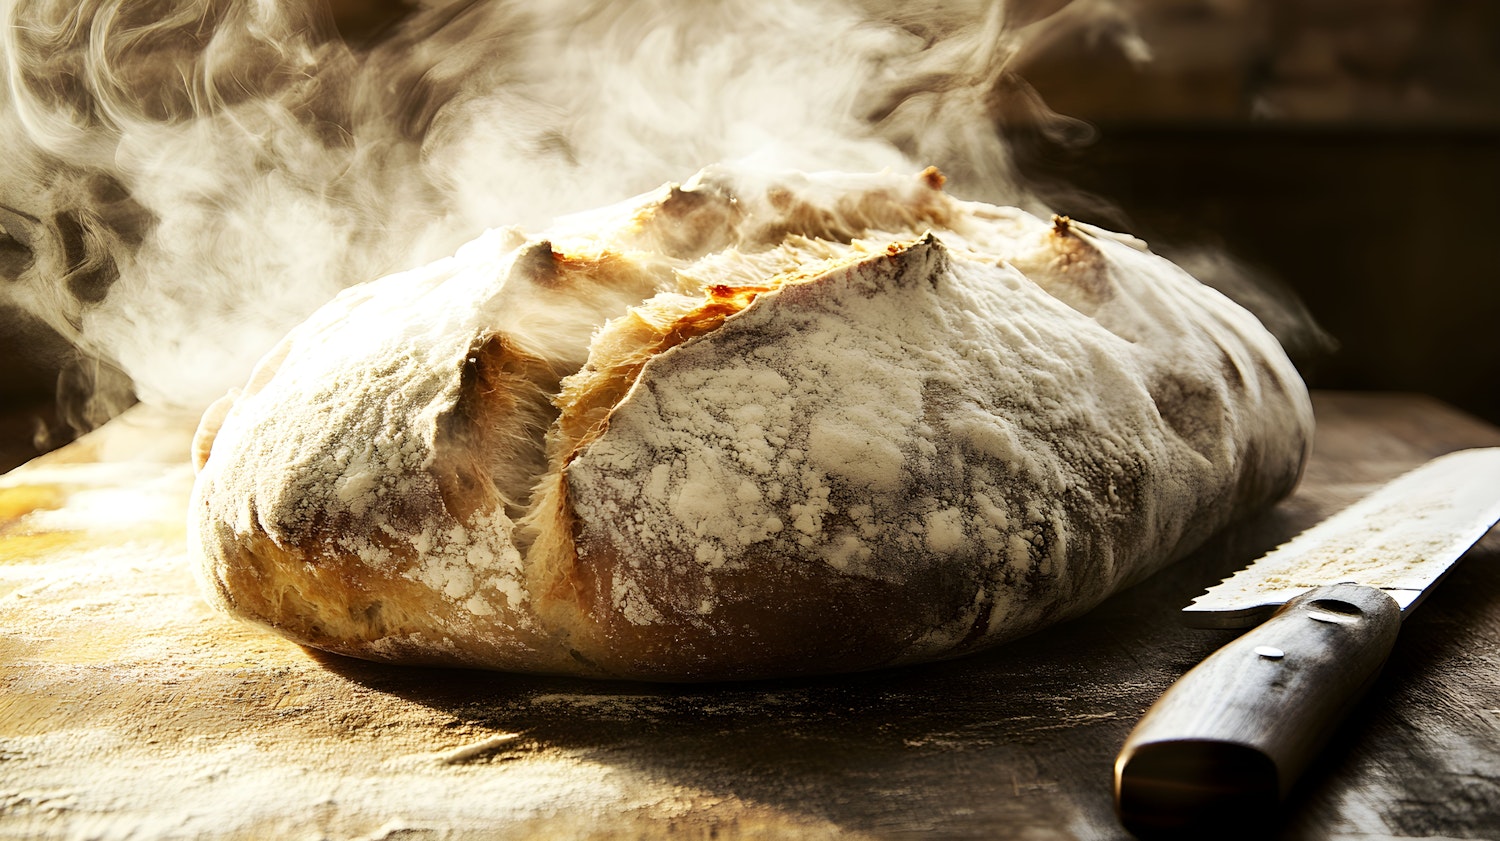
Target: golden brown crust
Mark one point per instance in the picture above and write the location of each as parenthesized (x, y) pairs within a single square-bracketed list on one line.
[(773, 618), (504, 404)]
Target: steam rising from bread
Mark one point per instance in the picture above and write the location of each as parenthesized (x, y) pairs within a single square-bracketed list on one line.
[(185, 180)]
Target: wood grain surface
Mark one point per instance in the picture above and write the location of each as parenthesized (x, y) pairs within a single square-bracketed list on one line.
[(128, 709)]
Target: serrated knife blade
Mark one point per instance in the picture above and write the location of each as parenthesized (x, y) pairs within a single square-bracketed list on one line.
[(1223, 745), (1401, 539)]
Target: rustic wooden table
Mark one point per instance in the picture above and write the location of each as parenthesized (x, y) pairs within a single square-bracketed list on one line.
[(128, 709)]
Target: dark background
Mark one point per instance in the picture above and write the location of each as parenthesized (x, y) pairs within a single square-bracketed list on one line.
[(1348, 150)]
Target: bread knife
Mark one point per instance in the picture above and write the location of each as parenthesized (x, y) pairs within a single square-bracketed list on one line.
[(1225, 743)]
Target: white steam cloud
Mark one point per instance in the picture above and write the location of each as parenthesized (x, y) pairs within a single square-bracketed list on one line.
[(184, 180)]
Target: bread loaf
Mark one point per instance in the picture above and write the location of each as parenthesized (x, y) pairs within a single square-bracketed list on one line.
[(754, 425)]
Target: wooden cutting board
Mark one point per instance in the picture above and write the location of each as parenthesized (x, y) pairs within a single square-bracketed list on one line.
[(128, 709)]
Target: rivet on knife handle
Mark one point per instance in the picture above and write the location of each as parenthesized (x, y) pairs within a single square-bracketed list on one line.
[(1224, 744)]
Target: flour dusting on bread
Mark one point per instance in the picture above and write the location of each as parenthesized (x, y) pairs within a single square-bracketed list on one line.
[(755, 424)]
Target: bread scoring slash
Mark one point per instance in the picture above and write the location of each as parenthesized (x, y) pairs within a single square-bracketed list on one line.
[(753, 425)]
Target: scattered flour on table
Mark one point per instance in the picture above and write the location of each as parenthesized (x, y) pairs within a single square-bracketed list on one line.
[(229, 787)]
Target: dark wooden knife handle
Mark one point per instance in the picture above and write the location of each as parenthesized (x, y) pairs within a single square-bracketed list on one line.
[(1222, 745)]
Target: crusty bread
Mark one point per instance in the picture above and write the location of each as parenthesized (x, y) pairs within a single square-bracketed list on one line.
[(754, 425)]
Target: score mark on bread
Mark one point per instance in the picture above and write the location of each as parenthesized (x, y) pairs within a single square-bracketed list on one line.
[(753, 425)]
